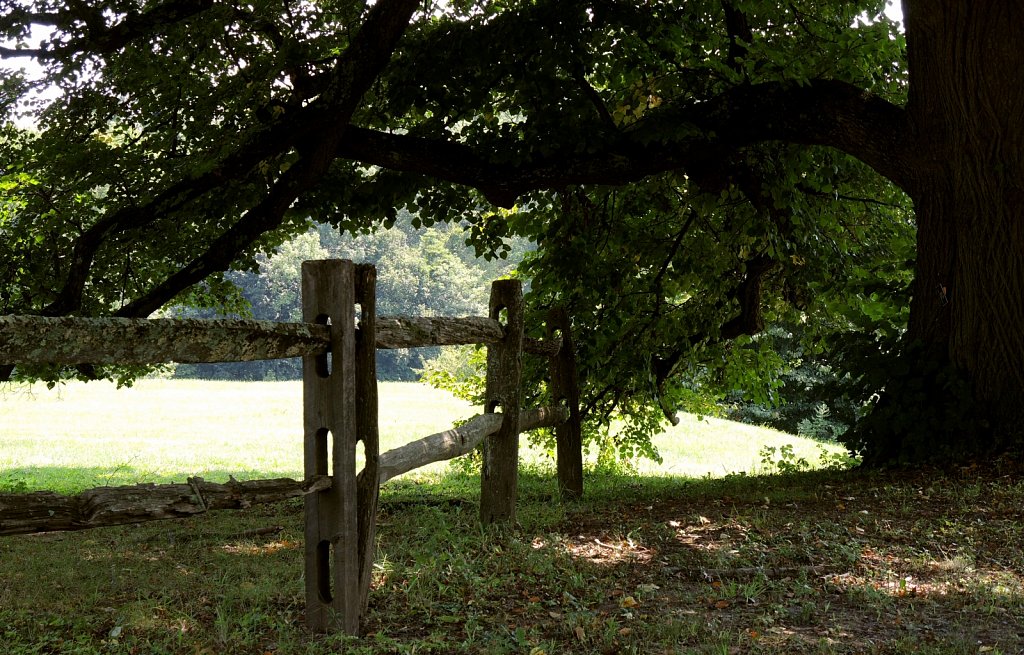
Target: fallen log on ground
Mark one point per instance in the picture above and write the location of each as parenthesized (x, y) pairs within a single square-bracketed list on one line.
[(44, 511)]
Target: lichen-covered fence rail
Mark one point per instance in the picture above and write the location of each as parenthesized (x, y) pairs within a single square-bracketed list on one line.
[(86, 340)]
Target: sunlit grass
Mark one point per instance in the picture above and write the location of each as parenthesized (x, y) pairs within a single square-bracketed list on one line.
[(701, 446), (83, 435)]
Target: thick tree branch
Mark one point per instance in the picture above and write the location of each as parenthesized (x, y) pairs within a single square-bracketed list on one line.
[(98, 37), (824, 112), (676, 243), (357, 68), (12, 53), (691, 137), (595, 99), (748, 294), (355, 71), (265, 145)]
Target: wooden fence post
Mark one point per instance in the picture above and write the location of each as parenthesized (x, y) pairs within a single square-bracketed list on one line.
[(329, 408), (500, 476), (565, 391), (367, 483)]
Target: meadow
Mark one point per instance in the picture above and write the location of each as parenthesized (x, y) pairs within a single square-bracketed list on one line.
[(719, 550), (80, 435)]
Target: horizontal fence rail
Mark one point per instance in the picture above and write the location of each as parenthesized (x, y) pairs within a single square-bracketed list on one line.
[(105, 506), (80, 340), (460, 440), (418, 332), (415, 332)]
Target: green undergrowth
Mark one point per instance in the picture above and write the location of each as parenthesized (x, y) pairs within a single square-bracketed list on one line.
[(801, 562)]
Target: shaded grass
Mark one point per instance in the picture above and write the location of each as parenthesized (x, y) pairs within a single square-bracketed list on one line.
[(810, 563), (816, 562)]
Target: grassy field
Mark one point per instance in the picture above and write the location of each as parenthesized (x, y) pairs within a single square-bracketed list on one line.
[(818, 562), (85, 435), (82, 435)]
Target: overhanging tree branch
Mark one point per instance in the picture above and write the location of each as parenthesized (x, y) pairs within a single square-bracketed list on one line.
[(354, 72), (824, 112), (740, 35), (98, 37), (358, 67)]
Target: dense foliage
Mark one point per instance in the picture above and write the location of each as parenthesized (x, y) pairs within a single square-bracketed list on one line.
[(691, 171)]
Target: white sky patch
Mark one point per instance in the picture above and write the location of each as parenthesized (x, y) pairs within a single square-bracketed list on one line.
[(893, 11), (33, 73)]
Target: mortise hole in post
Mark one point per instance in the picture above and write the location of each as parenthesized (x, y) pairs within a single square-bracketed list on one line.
[(500, 314), (360, 456), (323, 571), (323, 362), (494, 407), (357, 322), (324, 444)]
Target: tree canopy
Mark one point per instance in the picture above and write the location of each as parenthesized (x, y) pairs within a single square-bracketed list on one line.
[(689, 171)]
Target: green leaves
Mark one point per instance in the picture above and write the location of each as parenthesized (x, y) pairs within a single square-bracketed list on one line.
[(208, 126)]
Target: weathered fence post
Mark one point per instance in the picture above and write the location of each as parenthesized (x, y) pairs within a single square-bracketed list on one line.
[(500, 476), (565, 391), (329, 408), (367, 425)]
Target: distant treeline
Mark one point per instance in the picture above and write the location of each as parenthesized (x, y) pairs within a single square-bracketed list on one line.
[(427, 271)]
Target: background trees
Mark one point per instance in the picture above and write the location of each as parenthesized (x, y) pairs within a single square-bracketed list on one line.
[(421, 272), (764, 159)]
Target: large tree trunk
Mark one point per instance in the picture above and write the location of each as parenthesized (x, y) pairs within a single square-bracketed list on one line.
[(966, 111)]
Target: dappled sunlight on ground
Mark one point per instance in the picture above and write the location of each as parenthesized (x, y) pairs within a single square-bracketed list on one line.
[(816, 562), (835, 567), (610, 552), (261, 549)]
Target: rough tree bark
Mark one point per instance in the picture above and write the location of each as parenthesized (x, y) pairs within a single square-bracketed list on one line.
[(499, 476), (965, 114)]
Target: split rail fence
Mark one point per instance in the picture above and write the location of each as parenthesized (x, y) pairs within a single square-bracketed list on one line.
[(338, 340)]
